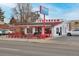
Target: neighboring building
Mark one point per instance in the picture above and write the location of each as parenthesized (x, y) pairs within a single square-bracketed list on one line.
[(73, 24), (2, 23)]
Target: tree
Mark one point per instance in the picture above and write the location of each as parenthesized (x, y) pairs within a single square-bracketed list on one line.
[(34, 16), (13, 21), (1, 15), (24, 14), (22, 10)]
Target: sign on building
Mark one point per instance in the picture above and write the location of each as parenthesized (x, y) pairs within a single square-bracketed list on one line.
[(44, 10)]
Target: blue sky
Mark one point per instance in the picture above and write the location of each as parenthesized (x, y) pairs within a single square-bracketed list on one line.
[(66, 11)]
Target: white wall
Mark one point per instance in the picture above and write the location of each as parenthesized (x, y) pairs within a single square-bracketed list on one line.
[(25, 30), (64, 29)]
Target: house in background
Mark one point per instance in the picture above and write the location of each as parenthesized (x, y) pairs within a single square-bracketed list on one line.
[(73, 24)]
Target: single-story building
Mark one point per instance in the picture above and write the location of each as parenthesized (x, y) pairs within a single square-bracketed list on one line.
[(73, 24), (53, 27), (59, 30)]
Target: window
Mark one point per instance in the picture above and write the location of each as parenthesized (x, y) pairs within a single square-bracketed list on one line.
[(76, 22), (29, 30), (57, 30), (48, 30), (57, 19), (76, 30), (38, 29)]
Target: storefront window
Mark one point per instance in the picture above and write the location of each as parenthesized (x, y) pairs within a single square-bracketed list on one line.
[(29, 30), (48, 31), (76, 22), (38, 29), (57, 30)]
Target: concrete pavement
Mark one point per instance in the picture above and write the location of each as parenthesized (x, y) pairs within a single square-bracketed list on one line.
[(59, 40)]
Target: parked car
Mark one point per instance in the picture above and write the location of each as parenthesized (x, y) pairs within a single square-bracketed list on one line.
[(4, 31), (1, 32), (8, 31), (73, 32)]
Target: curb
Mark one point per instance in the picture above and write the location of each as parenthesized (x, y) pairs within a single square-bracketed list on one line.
[(43, 41), (29, 40)]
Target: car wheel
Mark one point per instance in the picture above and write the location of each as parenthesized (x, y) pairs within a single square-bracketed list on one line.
[(69, 34)]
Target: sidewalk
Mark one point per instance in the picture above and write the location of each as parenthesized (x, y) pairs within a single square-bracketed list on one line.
[(46, 41)]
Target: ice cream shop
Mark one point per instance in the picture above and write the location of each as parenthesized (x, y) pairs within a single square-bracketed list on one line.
[(41, 28), (51, 28)]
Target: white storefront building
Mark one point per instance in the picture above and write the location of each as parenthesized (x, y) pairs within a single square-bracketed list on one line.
[(59, 30), (57, 26)]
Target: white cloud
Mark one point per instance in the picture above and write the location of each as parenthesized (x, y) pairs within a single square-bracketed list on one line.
[(10, 5), (6, 20), (35, 9), (72, 15), (54, 12)]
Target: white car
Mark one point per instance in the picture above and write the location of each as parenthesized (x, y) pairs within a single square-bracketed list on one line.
[(8, 31), (0, 32), (73, 32)]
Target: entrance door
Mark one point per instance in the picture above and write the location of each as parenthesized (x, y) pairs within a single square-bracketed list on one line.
[(60, 31)]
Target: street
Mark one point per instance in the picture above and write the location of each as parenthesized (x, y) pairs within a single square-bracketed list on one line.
[(23, 48)]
